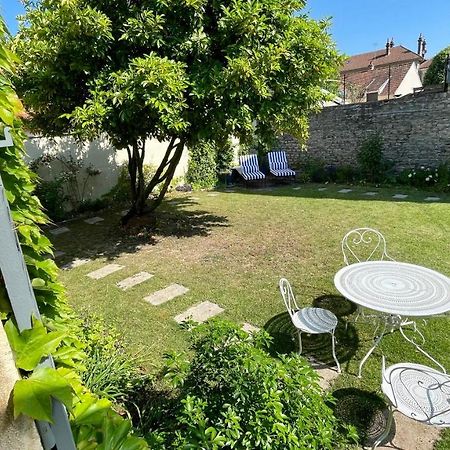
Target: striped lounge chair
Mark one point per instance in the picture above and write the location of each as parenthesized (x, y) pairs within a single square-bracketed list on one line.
[(278, 164), (250, 168)]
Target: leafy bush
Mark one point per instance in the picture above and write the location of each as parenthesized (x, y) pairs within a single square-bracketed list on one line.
[(315, 170), (52, 197), (233, 394), (373, 166), (202, 166), (427, 177), (435, 73), (111, 372)]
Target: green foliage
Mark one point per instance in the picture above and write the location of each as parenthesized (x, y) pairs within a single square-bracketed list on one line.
[(372, 164), (435, 73), (427, 177), (52, 197), (233, 68), (111, 372), (32, 345), (202, 166), (232, 394), (32, 395)]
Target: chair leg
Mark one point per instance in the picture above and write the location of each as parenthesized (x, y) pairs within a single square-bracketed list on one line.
[(387, 430), (333, 345), (300, 342)]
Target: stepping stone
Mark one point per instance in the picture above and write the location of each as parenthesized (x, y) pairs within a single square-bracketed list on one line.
[(139, 278), (77, 262), (296, 188), (371, 194), (166, 294), (59, 253), (212, 194), (249, 328), (432, 199), (104, 271), (94, 220), (200, 313), (229, 191), (194, 198), (344, 191), (322, 189), (58, 231), (399, 196), (124, 212)]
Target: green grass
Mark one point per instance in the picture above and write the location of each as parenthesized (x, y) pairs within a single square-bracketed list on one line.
[(233, 248)]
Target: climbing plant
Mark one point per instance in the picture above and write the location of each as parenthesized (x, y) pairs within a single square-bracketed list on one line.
[(94, 423)]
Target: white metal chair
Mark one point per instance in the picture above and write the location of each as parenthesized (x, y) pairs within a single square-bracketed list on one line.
[(419, 392), (364, 244), (278, 164), (309, 320), (250, 168)]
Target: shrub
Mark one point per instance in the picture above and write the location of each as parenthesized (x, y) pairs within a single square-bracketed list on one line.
[(233, 394), (427, 177), (202, 172), (372, 164), (435, 73), (52, 197)]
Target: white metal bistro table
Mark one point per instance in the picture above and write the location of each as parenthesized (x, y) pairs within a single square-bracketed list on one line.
[(398, 291)]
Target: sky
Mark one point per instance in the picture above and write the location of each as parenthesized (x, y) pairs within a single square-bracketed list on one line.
[(358, 26)]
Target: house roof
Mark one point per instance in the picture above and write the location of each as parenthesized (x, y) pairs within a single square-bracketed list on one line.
[(426, 64), (397, 55), (377, 80)]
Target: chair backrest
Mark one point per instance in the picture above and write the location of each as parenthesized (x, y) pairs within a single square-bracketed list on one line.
[(288, 296), (277, 160), (364, 244), (249, 163)]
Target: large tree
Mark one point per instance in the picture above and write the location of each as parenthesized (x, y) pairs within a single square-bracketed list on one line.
[(436, 72), (176, 70)]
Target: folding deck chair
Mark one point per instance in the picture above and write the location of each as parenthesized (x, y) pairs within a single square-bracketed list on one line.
[(250, 168), (278, 165)]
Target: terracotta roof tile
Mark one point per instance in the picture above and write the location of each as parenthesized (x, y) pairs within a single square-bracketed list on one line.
[(426, 64), (398, 54)]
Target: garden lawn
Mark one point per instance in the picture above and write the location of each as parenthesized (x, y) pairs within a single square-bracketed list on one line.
[(233, 247)]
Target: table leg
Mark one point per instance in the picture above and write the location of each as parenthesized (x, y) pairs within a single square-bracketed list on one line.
[(421, 350), (374, 346)]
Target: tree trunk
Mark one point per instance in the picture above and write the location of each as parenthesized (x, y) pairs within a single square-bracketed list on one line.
[(165, 172)]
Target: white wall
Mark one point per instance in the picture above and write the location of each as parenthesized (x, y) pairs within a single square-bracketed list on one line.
[(412, 80), (100, 154)]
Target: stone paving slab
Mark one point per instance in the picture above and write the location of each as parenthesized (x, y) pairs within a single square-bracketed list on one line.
[(371, 194), (58, 231), (249, 328), (296, 188), (432, 199), (104, 271), (194, 198), (212, 194), (344, 191), (59, 253), (322, 189), (166, 294), (130, 282), (200, 313), (77, 262), (400, 196), (94, 220)]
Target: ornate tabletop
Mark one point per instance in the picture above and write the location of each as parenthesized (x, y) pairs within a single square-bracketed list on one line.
[(395, 288)]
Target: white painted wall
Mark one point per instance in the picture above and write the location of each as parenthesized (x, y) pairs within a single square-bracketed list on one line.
[(412, 80), (100, 154)]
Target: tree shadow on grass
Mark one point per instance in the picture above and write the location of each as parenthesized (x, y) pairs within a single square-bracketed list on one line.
[(336, 304), (108, 239), (318, 346), (365, 410)]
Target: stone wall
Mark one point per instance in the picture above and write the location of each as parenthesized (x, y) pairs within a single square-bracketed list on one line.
[(415, 130)]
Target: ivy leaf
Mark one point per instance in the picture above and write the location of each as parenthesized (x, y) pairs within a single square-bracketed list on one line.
[(32, 396), (33, 344)]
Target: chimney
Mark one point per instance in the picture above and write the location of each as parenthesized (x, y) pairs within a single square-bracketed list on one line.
[(388, 47), (424, 48), (419, 45), (391, 44)]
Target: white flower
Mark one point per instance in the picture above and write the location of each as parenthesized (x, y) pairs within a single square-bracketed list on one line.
[(427, 179), (422, 167), (410, 175)]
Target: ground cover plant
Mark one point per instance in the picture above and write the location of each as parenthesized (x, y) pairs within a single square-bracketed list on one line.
[(232, 249)]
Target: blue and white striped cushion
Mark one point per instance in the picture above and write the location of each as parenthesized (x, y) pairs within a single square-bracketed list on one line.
[(278, 164), (250, 168)]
